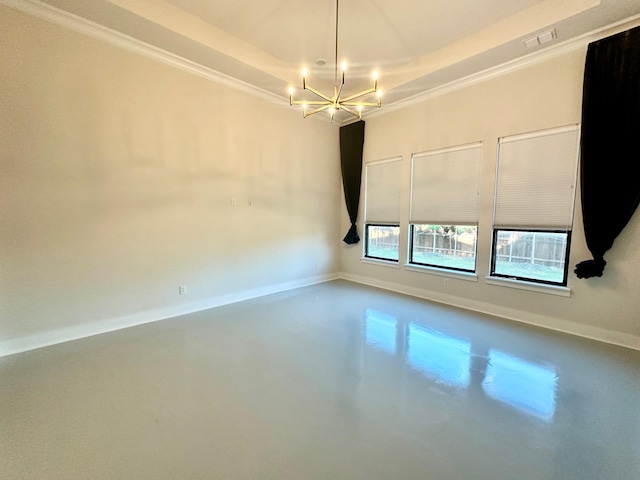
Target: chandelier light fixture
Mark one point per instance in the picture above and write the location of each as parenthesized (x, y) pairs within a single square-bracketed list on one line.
[(351, 104)]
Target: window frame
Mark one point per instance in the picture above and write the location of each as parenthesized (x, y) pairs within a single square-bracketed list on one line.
[(516, 215), (366, 242), (492, 266)]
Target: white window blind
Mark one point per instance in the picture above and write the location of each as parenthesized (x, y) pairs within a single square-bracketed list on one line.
[(382, 193), (536, 179), (444, 185)]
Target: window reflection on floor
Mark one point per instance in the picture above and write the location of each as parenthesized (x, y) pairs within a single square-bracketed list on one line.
[(528, 387), (380, 330), (445, 358)]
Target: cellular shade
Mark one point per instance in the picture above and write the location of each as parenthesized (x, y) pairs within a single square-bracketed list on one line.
[(383, 191), (444, 186), (536, 179)]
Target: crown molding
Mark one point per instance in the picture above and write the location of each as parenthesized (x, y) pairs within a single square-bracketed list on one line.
[(81, 25), (520, 63)]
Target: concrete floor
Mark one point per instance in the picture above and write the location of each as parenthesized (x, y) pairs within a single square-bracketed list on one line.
[(334, 381)]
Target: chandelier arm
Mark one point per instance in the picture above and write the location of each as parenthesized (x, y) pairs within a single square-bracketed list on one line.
[(339, 91), (360, 104), (358, 95), (316, 92), (317, 110), (348, 110), (309, 102)]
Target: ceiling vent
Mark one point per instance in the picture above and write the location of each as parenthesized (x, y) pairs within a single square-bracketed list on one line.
[(541, 38)]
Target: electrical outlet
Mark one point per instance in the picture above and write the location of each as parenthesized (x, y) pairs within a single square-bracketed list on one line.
[(182, 289)]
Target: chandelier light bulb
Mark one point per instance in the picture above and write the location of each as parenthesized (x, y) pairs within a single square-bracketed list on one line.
[(344, 66), (304, 72), (290, 90), (375, 75)]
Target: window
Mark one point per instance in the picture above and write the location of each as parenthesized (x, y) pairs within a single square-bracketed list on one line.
[(534, 201), (382, 241), (382, 209), (444, 246), (443, 221), (537, 255)]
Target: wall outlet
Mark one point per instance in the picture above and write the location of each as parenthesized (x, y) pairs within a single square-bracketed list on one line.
[(182, 289)]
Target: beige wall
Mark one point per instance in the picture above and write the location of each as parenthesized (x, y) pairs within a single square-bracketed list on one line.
[(538, 97), (116, 179)]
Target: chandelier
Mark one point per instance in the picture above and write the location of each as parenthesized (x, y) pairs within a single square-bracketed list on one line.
[(350, 104)]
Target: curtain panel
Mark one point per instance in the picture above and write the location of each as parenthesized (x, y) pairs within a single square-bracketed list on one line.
[(351, 146), (609, 143)]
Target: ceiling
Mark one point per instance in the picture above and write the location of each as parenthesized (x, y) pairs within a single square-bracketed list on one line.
[(416, 45)]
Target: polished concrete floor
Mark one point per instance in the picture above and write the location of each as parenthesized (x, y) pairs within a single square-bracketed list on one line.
[(333, 381)]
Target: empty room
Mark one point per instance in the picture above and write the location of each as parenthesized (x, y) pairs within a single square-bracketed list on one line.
[(340, 239)]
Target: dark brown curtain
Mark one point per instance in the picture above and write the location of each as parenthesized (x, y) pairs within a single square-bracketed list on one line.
[(609, 144), (351, 146)]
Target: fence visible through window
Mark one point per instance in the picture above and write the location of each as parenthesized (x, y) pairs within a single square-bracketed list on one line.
[(531, 254), (445, 246), (383, 241)]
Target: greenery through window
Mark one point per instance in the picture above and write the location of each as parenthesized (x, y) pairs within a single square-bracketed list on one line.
[(382, 242), (532, 255), (444, 246)]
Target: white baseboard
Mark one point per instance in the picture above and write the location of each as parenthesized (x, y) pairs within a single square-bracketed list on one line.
[(564, 326), (76, 332)]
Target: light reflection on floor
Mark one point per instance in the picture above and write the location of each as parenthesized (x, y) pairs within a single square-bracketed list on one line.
[(526, 386), (380, 330), (442, 357), (529, 388)]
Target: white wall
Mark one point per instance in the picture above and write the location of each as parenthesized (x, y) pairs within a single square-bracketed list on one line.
[(116, 179), (538, 97)]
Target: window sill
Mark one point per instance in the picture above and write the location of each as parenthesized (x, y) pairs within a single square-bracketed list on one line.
[(382, 263), (469, 277), (533, 287)]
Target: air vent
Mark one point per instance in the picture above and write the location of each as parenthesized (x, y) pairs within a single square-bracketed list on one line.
[(543, 37)]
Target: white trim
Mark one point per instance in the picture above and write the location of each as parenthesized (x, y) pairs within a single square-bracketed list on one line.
[(467, 146), (535, 58), (442, 272), (545, 132), (381, 263), (558, 325), (386, 160), (81, 25), (531, 286), (77, 332)]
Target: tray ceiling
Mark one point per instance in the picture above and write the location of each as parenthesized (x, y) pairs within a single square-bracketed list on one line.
[(416, 45)]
